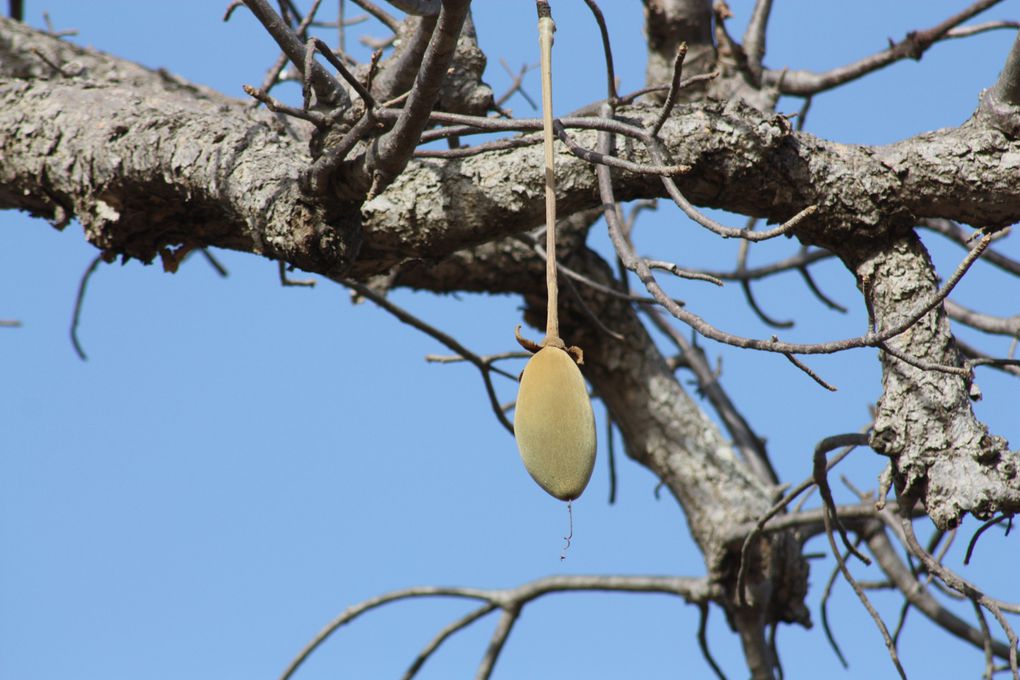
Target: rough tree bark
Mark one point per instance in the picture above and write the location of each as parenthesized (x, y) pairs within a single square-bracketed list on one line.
[(154, 166)]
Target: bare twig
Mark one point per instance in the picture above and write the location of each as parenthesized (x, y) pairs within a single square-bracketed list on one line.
[(286, 281), (871, 339), (675, 270), (607, 49), (276, 106), (977, 358), (889, 643), (421, 8), (888, 559), (214, 263), (441, 637), (964, 587), (804, 83), (963, 371), (811, 374), (390, 154), (745, 284), (586, 308), (729, 232), (813, 287), (273, 75), (516, 85), (413, 321), (954, 232), (674, 89), (611, 457), (50, 28), (974, 29), (999, 325), (754, 37), (612, 161), (594, 285), (748, 443), (986, 633), (314, 44), (496, 644), (488, 359), (691, 590), (820, 474), (78, 301), (859, 439), (327, 89), (803, 259), (380, 14), (826, 594), (703, 641), (980, 530)]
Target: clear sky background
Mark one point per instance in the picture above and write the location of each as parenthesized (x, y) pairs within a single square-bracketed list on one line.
[(237, 462)]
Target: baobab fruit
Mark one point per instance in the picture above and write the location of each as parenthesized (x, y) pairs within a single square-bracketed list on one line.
[(554, 424)]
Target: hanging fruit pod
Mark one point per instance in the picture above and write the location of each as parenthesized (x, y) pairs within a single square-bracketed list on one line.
[(554, 424)]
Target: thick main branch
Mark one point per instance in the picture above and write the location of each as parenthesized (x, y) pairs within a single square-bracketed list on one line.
[(224, 176)]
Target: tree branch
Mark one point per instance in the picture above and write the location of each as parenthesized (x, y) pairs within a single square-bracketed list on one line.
[(327, 88), (924, 421), (389, 155), (691, 590), (913, 46)]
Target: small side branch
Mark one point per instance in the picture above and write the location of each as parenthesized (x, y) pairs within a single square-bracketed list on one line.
[(78, 302), (390, 155), (674, 89), (1007, 88), (421, 8), (326, 87), (913, 46), (754, 37), (413, 321), (607, 49), (380, 14), (511, 601)]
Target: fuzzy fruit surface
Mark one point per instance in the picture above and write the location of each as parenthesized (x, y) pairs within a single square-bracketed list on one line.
[(554, 424)]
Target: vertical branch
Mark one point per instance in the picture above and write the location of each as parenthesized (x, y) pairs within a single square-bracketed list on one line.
[(327, 89), (754, 37), (546, 27), (388, 157), (1007, 88), (607, 49), (340, 38)]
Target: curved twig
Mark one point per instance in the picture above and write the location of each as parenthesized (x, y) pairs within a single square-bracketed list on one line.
[(607, 49), (499, 636), (413, 321), (703, 641), (441, 637), (780, 505), (804, 83), (871, 339), (674, 89), (78, 301), (964, 587), (692, 590)]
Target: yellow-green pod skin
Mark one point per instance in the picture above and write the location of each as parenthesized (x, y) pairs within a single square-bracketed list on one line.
[(554, 424)]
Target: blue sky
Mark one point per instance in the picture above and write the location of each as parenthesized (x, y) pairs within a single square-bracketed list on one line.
[(238, 462)]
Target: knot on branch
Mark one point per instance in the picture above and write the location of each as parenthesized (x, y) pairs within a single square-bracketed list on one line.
[(999, 114)]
